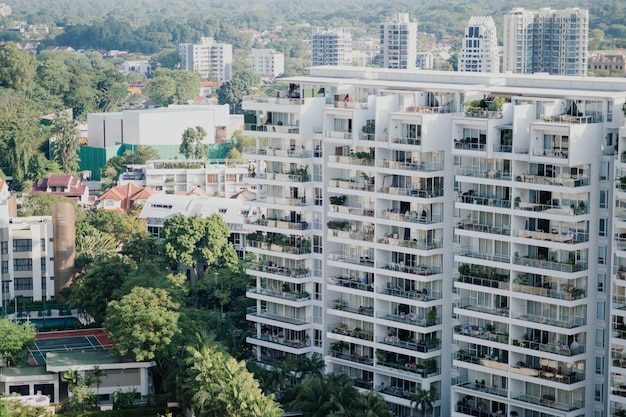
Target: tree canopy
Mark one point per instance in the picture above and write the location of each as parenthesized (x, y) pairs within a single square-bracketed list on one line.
[(14, 341)]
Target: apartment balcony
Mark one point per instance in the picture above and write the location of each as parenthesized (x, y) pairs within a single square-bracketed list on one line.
[(419, 166), (474, 226), (343, 305), (396, 391), (484, 173), (427, 109), (252, 312), (343, 329), (564, 118), (479, 387), (571, 210), (499, 282), (557, 348), (351, 259), (549, 401), (554, 236), (285, 271), (412, 369), (359, 158), (483, 114), (412, 192), (352, 184), (471, 304), (335, 134), (284, 295), (285, 152), (564, 323), (423, 270), (548, 373), (287, 177), (568, 266), (347, 209), (469, 197), (560, 292), (362, 235), (272, 128), (350, 282), (411, 216), (353, 357), (417, 295), (560, 181), (282, 224), (270, 100), (471, 145), (412, 319), (284, 201), (413, 244), (421, 346), (469, 252), (483, 360), (492, 334), (280, 248), (280, 339), (403, 140)]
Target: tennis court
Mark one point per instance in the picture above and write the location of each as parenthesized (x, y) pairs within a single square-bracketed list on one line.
[(95, 339)]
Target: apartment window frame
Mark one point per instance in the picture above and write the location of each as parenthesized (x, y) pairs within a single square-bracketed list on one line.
[(22, 245)]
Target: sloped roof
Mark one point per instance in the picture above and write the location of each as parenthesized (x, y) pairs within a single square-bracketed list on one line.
[(127, 195), (74, 186)]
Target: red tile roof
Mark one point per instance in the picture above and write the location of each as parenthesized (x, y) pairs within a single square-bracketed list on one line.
[(72, 187), (127, 195)]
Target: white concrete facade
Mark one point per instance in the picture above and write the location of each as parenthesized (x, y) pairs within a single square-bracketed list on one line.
[(398, 42), (479, 52), (547, 40), (438, 231), (267, 62), (209, 59), (331, 46)]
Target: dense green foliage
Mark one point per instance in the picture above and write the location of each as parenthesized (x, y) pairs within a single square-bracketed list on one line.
[(14, 341)]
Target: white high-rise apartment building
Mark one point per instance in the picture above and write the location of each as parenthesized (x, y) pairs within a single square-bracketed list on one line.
[(399, 230), (209, 59), (547, 40), (267, 62), (331, 47), (480, 46), (398, 42)]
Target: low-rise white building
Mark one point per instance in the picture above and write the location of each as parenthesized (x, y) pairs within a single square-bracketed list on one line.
[(267, 62)]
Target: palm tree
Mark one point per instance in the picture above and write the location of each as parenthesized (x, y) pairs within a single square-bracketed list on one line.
[(72, 378), (424, 400), (314, 398), (375, 405), (97, 375), (347, 399), (313, 366)]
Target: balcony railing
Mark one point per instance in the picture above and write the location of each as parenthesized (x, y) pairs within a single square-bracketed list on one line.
[(483, 173), (549, 374), (479, 386), (500, 283), (281, 152), (552, 209), (351, 259), (561, 294), (411, 192), (474, 226), (357, 211), (551, 321), (283, 224), (253, 311), (406, 140), (364, 236), (469, 146), (279, 176), (278, 247), (483, 201), (351, 160), (351, 185), (487, 361), (301, 201), (271, 100), (342, 305), (552, 153), (344, 330), (480, 332), (557, 348), (412, 216), (419, 295), (483, 114), (353, 357), (410, 166), (271, 128), (291, 296), (550, 265), (414, 244), (421, 346), (408, 368), (559, 181), (427, 109), (293, 343), (347, 282), (280, 270), (337, 134), (411, 318), (467, 251), (564, 118), (472, 304), (566, 237), (549, 401), (410, 269)]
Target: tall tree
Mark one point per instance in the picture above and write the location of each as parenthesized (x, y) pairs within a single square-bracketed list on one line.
[(65, 144), (16, 338), (17, 68), (188, 240), (216, 385), (191, 143), (144, 323), (424, 400)]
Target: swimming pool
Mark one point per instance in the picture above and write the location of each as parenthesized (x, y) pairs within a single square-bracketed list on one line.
[(56, 321)]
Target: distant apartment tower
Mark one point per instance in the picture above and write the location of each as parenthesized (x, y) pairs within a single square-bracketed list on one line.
[(548, 40), (480, 46), (398, 42), (331, 46), (267, 62), (209, 59)]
